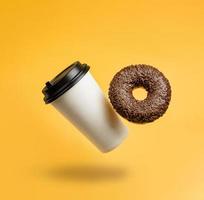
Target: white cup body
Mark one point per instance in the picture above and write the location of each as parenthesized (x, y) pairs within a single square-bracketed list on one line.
[(86, 107)]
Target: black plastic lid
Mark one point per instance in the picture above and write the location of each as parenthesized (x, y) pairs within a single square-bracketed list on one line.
[(64, 81)]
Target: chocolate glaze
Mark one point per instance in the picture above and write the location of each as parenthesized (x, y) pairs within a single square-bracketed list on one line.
[(140, 111)]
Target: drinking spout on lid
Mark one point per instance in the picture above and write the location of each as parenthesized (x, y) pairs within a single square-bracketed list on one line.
[(48, 84)]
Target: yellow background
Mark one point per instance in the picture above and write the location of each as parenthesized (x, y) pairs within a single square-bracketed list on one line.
[(43, 156)]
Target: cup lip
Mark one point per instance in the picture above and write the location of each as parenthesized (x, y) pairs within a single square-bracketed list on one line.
[(64, 81)]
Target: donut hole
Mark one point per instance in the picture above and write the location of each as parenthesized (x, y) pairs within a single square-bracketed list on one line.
[(139, 93)]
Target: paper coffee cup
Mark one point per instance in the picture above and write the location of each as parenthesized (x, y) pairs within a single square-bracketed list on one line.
[(77, 96)]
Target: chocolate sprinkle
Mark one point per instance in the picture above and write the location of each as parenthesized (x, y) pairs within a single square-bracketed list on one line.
[(134, 76)]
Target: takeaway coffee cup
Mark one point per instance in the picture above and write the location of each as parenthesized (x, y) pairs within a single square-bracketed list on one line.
[(77, 96)]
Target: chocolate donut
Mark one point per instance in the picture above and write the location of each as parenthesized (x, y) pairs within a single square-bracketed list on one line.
[(152, 80)]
